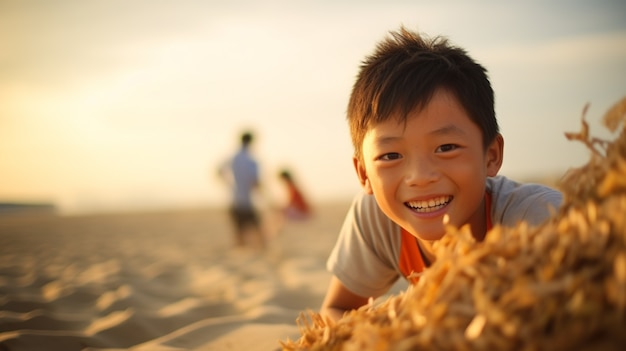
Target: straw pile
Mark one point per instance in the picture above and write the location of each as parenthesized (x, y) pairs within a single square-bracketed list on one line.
[(560, 286)]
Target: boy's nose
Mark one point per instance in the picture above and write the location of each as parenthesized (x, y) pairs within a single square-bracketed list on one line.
[(421, 171)]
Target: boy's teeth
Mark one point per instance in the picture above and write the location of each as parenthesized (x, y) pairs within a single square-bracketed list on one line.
[(429, 205)]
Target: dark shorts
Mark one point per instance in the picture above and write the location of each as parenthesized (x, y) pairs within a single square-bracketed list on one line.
[(244, 217)]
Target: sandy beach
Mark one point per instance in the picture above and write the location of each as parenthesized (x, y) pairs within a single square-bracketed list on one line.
[(168, 280)]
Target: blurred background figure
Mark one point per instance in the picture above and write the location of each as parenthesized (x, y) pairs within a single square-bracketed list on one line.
[(292, 207), (241, 172), (297, 207)]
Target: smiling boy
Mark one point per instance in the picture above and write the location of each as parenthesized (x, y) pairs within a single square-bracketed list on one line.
[(426, 144)]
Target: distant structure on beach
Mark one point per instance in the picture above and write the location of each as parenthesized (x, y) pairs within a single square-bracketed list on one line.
[(9, 208)]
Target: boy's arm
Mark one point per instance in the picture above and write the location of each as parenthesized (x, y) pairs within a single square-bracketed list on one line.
[(339, 300)]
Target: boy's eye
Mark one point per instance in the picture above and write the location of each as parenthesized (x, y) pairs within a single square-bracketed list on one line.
[(446, 148), (390, 156)]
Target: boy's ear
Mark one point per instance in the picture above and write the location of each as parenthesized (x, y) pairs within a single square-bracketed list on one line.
[(495, 155), (359, 167)]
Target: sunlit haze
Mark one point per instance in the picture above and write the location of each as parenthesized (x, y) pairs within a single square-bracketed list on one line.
[(114, 105)]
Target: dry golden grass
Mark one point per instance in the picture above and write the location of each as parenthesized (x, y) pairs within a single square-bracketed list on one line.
[(559, 286)]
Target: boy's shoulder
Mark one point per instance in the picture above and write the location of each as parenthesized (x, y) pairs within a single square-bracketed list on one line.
[(503, 186), (512, 201)]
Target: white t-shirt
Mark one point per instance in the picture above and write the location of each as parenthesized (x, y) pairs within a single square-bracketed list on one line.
[(245, 173), (366, 256)]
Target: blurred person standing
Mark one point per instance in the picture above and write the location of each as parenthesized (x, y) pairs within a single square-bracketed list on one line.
[(241, 172)]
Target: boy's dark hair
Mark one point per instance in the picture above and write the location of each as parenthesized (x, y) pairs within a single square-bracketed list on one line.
[(285, 174), (246, 138), (404, 72)]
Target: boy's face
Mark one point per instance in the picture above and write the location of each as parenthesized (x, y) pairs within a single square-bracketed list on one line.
[(434, 165)]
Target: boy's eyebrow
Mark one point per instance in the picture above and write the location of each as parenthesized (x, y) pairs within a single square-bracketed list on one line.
[(382, 140), (447, 130)]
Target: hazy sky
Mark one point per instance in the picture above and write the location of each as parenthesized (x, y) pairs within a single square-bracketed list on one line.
[(110, 104)]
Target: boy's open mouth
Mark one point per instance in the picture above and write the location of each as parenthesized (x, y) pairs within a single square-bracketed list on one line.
[(430, 205)]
